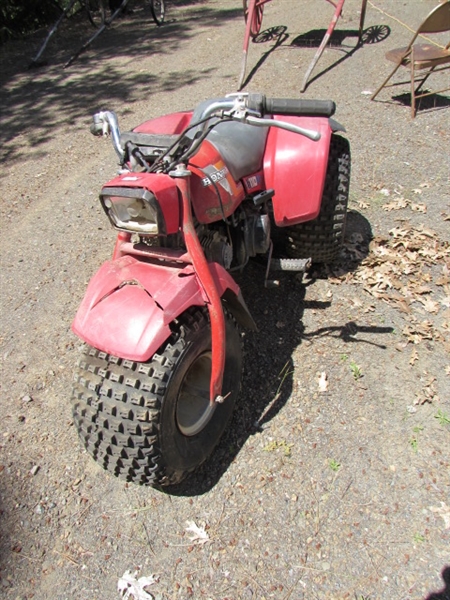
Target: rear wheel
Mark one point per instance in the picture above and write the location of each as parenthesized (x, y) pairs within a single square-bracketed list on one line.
[(152, 423), (322, 239)]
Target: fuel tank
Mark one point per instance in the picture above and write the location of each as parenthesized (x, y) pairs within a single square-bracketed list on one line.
[(230, 152)]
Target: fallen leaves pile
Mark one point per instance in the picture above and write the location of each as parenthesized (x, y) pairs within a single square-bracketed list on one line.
[(410, 269)]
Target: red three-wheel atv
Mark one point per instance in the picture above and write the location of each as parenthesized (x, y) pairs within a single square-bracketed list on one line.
[(198, 194)]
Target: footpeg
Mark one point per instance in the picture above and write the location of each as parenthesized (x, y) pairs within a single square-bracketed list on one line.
[(296, 265), (300, 265)]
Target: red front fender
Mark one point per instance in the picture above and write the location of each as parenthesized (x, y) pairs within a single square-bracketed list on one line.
[(129, 305)]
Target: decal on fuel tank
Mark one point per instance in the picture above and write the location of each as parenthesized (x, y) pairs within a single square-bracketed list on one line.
[(253, 182), (216, 175)]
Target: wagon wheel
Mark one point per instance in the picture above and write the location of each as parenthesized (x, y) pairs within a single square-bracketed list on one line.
[(96, 12), (257, 16)]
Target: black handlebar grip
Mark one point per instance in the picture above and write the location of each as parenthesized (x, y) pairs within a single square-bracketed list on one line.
[(291, 106)]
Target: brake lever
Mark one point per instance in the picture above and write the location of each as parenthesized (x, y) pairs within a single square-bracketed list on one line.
[(261, 122)]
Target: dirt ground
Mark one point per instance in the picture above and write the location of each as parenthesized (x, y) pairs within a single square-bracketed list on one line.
[(315, 493)]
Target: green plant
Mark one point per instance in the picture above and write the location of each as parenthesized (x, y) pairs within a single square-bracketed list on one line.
[(274, 445), (334, 465), (414, 442), (282, 375), (418, 537), (442, 417), (344, 357), (356, 370)]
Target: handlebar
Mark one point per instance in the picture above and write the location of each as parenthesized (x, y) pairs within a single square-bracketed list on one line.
[(290, 106), (105, 122), (235, 107)]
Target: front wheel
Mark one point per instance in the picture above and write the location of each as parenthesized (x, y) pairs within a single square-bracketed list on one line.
[(321, 239), (158, 10), (152, 423)]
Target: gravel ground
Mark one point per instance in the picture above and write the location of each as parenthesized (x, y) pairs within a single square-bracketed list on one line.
[(333, 492)]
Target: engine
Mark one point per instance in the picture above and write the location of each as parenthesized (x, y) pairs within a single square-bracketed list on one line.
[(245, 235), (216, 248)]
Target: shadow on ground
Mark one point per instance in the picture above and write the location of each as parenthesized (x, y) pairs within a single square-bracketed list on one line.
[(278, 312), (313, 38), (51, 96)]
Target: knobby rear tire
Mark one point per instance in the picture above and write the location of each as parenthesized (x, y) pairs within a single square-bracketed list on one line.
[(129, 415), (321, 239)]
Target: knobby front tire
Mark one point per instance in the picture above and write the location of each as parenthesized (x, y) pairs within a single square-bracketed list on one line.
[(152, 423)]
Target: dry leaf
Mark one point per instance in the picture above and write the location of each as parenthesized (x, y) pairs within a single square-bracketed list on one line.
[(396, 204), (428, 394), (356, 303), (430, 305), (445, 301), (323, 382), (414, 357), (199, 534), (443, 511), (131, 588), (422, 208)]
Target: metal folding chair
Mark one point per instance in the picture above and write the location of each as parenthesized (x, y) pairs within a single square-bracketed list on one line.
[(418, 57)]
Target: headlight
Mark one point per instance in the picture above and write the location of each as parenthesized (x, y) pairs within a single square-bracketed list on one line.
[(133, 209)]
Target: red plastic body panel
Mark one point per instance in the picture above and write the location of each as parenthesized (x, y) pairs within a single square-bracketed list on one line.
[(295, 167), (211, 177), (162, 186), (129, 304), (168, 124)]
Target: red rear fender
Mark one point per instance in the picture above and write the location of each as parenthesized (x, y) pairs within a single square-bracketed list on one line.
[(295, 167)]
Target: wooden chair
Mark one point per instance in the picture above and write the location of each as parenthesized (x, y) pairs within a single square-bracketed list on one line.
[(418, 57)]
